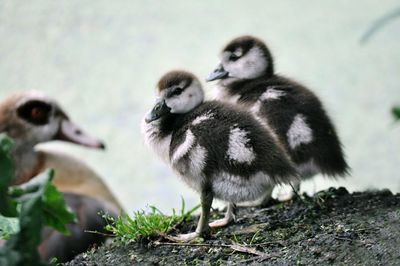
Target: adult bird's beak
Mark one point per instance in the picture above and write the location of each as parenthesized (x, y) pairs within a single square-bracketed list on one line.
[(218, 73), (72, 133), (158, 111)]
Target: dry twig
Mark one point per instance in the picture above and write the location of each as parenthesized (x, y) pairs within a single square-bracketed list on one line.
[(99, 233), (261, 256)]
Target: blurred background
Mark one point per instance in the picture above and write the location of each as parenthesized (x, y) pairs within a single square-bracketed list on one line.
[(102, 59)]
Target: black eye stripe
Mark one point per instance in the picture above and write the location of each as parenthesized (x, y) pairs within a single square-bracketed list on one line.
[(25, 112), (174, 92), (233, 57), (178, 91)]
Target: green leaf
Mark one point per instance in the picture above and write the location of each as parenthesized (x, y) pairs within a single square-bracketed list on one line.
[(21, 249), (55, 212), (396, 112), (6, 143), (41, 204), (8, 226), (7, 206)]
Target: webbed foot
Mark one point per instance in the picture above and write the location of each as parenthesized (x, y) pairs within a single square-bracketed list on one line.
[(229, 217), (185, 237), (220, 222), (286, 192)]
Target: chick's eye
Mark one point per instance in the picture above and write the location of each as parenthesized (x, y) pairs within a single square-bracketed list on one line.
[(37, 113), (233, 57), (178, 91)]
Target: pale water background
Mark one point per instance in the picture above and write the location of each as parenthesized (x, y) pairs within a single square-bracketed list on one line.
[(102, 59)]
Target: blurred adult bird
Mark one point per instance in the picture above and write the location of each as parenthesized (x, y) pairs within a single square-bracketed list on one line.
[(32, 118)]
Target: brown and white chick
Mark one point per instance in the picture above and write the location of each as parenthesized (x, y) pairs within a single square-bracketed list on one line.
[(220, 151), (294, 113), (31, 118)]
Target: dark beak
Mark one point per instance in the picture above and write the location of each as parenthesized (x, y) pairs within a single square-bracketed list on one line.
[(72, 133), (158, 111), (218, 73)]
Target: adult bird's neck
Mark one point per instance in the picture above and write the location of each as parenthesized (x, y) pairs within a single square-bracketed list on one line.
[(28, 163)]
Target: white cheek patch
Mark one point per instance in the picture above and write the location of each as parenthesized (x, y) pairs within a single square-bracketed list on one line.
[(239, 149), (251, 65), (184, 148), (191, 97), (299, 132), (202, 118), (272, 94), (44, 133)]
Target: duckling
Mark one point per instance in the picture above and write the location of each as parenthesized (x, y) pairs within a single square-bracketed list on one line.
[(218, 150), (32, 118), (294, 113)]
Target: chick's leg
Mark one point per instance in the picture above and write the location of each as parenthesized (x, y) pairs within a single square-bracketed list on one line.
[(229, 217), (287, 192), (202, 226)]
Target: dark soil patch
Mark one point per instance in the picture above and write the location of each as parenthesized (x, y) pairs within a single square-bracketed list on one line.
[(333, 227)]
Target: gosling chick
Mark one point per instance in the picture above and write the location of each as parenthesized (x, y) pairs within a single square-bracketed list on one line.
[(218, 150), (295, 114)]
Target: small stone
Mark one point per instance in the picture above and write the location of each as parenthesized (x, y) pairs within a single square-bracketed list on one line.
[(330, 256), (133, 257), (316, 250), (251, 229)]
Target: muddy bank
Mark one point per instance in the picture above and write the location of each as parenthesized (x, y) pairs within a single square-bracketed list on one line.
[(333, 227)]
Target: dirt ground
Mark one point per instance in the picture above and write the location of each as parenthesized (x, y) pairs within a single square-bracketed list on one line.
[(333, 227)]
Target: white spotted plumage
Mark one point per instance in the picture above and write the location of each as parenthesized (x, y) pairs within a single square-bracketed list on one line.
[(202, 118), (184, 148), (299, 132), (272, 94), (197, 159), (192, 168), (239, 149)]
